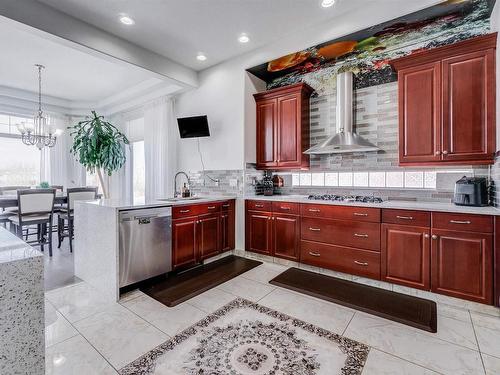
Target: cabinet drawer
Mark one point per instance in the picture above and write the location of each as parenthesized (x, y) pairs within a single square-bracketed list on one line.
[(406, 217), (195, 209), (259, 205), (342, 259), (462, 222), (341, 232), (286, 208), (341, 212), (227, 205)]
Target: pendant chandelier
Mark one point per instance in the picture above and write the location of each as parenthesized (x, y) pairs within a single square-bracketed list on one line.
[(39, 133)]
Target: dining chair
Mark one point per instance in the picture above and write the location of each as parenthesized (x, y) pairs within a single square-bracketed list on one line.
[(7, 213), (35, 208), (12, 189), (66, 214)]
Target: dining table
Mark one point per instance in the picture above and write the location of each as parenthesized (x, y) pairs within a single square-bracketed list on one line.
[(7, 201)]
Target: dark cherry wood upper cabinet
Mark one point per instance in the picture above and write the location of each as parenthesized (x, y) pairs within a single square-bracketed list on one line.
[(267, 119), (447, 104), (468, 106), (258, 229), (420, 113), (462, 265), (406, 255), (283, 127), (208, 235), (184, 242), (286, 233)]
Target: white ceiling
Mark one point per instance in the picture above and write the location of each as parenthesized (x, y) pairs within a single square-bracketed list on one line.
[(70, 73), (179, 29)]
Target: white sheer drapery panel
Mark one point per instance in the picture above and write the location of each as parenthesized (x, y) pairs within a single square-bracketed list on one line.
[(63, 167), (159, 148), (120, 182)]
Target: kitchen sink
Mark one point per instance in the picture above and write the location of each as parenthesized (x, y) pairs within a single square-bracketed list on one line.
[(180, 199)]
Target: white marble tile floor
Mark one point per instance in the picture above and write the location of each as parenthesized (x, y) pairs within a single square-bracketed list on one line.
[(86, 336)]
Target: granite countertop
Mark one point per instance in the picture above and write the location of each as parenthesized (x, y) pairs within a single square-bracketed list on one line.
[(404, 205), (124, 205), (13, 248)]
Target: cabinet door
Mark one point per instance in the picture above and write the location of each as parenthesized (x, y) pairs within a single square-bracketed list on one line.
[(259, 232), (469, 106), (227, 230), (286, 234), (462, 264), (208, 235), (289, 152), (406, 255), (184, 246), (267, 133), (419, 114)]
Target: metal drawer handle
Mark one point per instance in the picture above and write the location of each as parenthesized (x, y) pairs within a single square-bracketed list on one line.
[(314, 210), (259, 206), (225, 205), (211, 207), (361, 263), (285, 208), (315, 229), (314, 254), (405, 217), (359, 214), (184, 211), (460, 222), (360, 235)]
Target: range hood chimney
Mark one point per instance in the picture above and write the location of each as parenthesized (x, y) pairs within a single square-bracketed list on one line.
[(346, 140)]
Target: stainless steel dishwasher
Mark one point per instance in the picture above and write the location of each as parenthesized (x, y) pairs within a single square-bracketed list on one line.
[(145, 244)]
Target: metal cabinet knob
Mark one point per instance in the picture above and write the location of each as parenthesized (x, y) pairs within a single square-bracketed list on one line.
[(426, 235), (434, 237), (438, 152), (445, 152)]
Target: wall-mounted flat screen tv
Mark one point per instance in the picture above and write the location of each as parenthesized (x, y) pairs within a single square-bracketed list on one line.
[(193, 127)]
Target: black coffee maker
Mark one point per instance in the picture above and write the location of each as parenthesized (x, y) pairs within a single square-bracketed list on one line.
[(471, 191)]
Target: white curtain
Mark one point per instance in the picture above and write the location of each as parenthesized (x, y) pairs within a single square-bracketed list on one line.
[(58, 166), (159, 148), (120, 182)]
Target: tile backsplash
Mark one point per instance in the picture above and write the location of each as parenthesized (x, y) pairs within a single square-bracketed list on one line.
[(376, 119)]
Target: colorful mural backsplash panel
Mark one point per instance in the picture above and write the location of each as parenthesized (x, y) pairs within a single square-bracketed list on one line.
[(367, 53)]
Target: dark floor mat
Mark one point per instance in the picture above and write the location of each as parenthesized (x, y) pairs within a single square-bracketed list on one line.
[(179, 288), (413, 311)]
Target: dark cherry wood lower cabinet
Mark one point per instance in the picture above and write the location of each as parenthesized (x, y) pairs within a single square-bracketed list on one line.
[(227, 230), (201, 231), (184, 242), (259, 229), (208, 236), (462, 265), (406, 255), (272, 234), (286, 233)]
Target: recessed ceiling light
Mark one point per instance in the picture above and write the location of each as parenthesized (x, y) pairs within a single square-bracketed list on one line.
[(243, 38), (327, 3), (126, 20), (201, 57)]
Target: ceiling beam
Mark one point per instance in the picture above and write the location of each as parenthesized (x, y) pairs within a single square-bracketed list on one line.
[(79, 34)]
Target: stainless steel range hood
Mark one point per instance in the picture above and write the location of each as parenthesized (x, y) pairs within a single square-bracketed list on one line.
[(346, 140)]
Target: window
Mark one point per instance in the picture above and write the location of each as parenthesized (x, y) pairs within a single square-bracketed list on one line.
[(19, 164), (138, 171)]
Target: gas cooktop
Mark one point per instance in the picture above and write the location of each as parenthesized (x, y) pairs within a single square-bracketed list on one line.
[(345, 198)]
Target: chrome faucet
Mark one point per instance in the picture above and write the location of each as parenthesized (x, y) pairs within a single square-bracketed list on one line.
[(177, 193)]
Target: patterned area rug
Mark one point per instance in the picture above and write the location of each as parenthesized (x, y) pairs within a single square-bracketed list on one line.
[(246, 338)]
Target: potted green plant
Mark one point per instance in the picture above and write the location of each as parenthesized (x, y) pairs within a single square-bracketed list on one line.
[(99, 147)]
